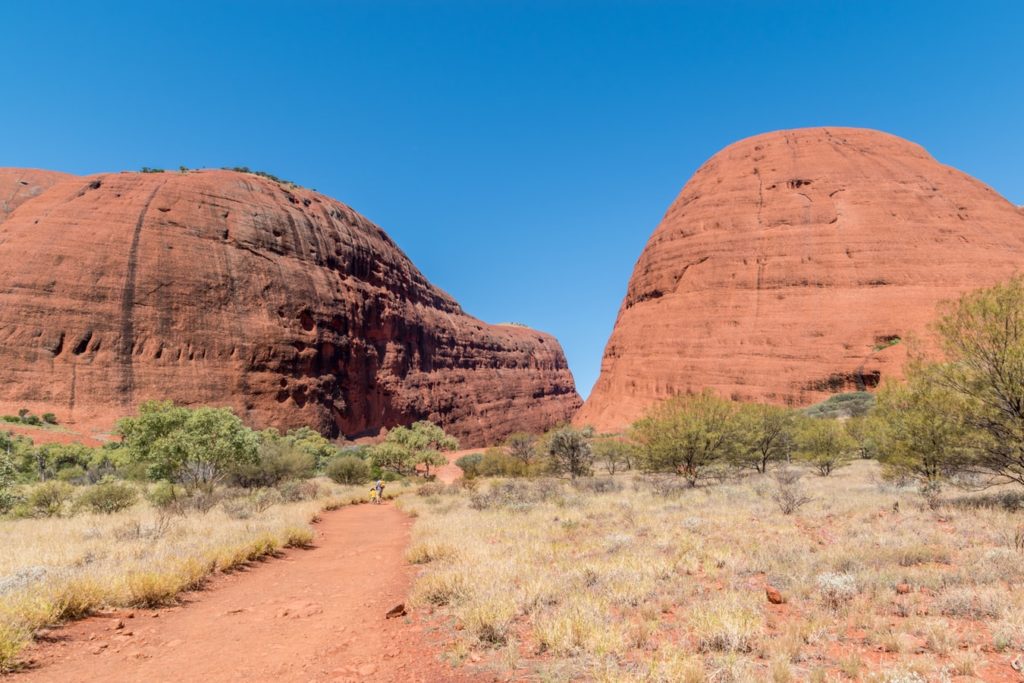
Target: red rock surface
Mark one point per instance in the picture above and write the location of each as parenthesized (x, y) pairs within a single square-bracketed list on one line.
[(789, 260), (216, 287), (18, 185)]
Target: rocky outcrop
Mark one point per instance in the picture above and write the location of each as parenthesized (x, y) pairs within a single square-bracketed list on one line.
[(796, 264), (217, 287)]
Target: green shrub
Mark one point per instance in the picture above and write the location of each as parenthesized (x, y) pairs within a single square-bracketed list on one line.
[(8, 477), (348, 469), (108, 497), (74, 474), (294, 491), (49, 418), (278, 461), (496, 462), (164, 495), (49, 498), (469, 464)]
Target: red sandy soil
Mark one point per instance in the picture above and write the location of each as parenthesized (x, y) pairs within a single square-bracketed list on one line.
[(41, 435), (311, 615)]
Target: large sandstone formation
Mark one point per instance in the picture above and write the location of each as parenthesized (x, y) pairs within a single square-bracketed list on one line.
[(217, 287), (791, 262)]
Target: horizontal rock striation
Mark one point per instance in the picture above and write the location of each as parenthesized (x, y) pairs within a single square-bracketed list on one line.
[(218, 287), (796, 264)]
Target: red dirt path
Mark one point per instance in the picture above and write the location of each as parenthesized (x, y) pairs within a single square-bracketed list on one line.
[(312, 616)]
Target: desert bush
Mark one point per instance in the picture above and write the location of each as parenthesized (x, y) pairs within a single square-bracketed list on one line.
[(835, 590), (469, 463), (764, 435), (598, 485), (295, 491), (404, 448), (8, 477), (686, 434), (277, 460), (197, 447), (496, 462), (514, 495), (49, 418), (789, 495), (661, 486), (1011, 501), (824, 444), (570, 452), (49, 499), (613, 454), (523, 447), (851, 404), (726, 625), (108, 496), (348, 469)]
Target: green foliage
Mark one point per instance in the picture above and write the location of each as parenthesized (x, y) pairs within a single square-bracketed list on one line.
[(850, 404), (523, 447), (921, 429), (164, 495), (313, 443), (765, 435), (687, 434), (262, 174), (8, 478), (197, 447), (49, 498), (278, 459), (406, 447), (569, 452), (149, 169), (108, 496), (469, 464), (614, 454), (48, 461), (824, 444), (49, 418), (983, 338), (866, 431), (348, 469), (497, 462)]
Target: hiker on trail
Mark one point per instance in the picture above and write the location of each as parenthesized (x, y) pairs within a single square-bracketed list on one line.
[(373, 494), (379, 487)]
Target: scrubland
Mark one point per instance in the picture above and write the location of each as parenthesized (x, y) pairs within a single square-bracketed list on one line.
[(643, 578), (56, 568)]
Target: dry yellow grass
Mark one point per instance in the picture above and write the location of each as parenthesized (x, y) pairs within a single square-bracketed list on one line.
[(60, 568), (631, 585)]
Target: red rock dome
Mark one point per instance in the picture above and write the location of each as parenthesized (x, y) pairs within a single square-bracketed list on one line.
[(217, 287), (790, 264)]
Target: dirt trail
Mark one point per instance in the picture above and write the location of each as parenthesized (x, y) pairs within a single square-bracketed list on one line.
[(312, 616)]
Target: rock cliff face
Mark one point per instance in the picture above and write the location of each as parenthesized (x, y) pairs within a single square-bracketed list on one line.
[(790, 266), (216, 287)]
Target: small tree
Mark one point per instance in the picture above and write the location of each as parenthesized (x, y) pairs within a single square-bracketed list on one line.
[(8, 477), (765, 435), (348, 469), (982, 336), (824, 444), (614, 454), (108, 497), (522, 446), (922, 433), (686, 434), (421, 444), (197, 447), (866, 432), (570, 452)]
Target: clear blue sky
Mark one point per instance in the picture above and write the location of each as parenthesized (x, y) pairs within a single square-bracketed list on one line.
[(520, 152)]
